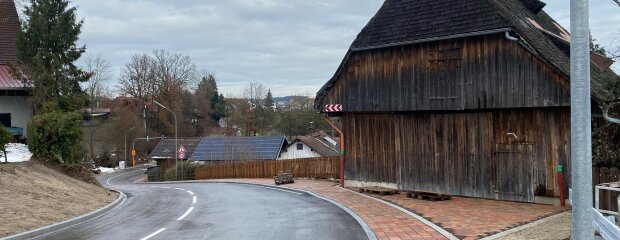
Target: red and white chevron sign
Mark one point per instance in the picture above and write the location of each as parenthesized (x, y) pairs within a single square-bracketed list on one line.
[(333, 108)]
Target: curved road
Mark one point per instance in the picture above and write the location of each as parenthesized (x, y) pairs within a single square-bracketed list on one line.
[(212, 211)]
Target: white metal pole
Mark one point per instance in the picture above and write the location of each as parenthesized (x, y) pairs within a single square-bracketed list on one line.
[(581, 126), (176, 141)]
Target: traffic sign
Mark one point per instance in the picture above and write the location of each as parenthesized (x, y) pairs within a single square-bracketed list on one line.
[(181, 152), (333, 108)]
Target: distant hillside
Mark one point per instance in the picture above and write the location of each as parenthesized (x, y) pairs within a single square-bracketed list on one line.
[(285, 99)]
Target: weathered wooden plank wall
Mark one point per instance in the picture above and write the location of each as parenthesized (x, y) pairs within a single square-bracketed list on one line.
[(485, 72), (500, 154), (322, 167), (165, 164)]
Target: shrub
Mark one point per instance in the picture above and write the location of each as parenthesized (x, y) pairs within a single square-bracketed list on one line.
[(5, 137), (56, 135)]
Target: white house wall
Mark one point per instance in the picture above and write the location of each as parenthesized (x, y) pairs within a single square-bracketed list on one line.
[(292, 152), (20, 109)]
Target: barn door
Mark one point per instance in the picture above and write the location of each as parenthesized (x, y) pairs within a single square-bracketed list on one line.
[(513, 172)]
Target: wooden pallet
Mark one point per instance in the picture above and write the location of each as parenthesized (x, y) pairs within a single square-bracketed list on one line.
[(378, 190), (432, 196)]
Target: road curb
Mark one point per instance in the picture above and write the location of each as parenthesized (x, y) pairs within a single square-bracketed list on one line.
[(371, 235), (74, 221)]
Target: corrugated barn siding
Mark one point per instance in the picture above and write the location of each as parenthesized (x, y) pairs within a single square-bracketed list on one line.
[(499, 154), (485, 72)]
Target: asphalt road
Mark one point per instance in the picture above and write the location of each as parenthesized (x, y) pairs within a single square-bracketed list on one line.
[(212, 211)]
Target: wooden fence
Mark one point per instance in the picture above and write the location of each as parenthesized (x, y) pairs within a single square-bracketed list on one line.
[(607, 199), (322, 167)]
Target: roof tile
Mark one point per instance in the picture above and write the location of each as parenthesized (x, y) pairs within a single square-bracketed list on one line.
[(9, 28)]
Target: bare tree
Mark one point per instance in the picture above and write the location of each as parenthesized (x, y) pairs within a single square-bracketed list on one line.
[(254, 93), (100, 69), (617, 2), (173, 71), (138, 77), (163, 75)]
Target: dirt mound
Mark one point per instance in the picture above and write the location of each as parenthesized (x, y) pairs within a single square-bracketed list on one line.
[(34, 195)]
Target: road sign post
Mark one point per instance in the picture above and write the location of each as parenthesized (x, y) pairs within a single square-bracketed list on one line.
[(181, 151), (181, 156), (133, 157)]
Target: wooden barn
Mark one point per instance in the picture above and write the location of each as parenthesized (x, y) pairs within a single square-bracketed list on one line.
[(464, 97)]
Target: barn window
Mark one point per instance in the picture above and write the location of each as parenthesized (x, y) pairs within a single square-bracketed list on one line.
[(300, 146), (444, 74)]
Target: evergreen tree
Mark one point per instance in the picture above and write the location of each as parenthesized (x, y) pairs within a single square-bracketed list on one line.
[(207, 86), (269, 101), (47, 50), (219, 108)]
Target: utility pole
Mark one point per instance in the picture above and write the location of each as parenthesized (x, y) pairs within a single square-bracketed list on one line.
[(125, 152), (581, 125)]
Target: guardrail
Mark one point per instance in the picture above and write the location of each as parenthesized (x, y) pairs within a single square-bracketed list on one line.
[(605, 227)]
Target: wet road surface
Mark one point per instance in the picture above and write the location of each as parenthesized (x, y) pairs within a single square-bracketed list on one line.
[(212, 211)]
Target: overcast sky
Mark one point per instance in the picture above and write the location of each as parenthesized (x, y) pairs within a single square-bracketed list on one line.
[(291, 46)]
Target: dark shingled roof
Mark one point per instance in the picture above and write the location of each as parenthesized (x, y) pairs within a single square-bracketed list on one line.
[(9, 28), (238, 148), (400, 22), (166, 148)]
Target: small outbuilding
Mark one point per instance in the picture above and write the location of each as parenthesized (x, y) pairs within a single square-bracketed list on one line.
[(166, 151)]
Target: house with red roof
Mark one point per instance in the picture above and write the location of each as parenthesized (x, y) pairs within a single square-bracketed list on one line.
[(15, 104)]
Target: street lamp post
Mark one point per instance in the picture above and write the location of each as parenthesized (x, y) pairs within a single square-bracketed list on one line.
[(176, 140), (126, 142)]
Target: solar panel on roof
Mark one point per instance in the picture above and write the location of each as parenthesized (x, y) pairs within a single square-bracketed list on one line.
[(238, 148)]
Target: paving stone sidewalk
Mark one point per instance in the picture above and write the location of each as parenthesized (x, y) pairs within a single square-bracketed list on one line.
[(385, 221), (474, 218)]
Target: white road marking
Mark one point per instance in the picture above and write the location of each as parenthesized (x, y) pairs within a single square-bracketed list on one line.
[(165, 187), (190, 192), (186, 213), (194, 199), (108, 181), (153, 234), (283, 190), (179, 189)]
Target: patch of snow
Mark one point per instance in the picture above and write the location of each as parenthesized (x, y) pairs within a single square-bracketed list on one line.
[(106, 170), (16, 152)]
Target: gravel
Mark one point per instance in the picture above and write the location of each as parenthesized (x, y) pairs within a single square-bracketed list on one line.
[(558, 227)]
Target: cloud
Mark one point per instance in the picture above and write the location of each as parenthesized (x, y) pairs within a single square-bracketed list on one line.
[(291, 46)]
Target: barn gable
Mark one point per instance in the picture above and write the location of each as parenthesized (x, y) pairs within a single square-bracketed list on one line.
[(438, 33)]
